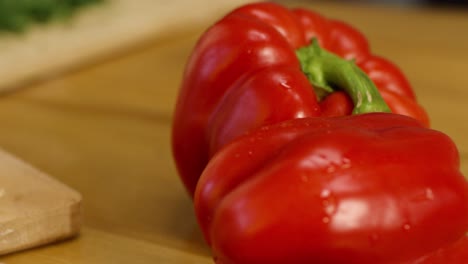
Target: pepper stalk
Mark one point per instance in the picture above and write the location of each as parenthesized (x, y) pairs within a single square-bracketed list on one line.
[(328, 72)]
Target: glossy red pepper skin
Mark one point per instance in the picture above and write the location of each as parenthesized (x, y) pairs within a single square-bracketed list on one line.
[(270, 95), (227, 53), (370, 188), (454, 253), (238, 52)]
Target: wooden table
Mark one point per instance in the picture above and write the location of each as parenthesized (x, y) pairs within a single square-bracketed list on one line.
[(104, 130)]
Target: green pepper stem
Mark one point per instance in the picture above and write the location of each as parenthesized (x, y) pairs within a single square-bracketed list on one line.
[(328, 72)]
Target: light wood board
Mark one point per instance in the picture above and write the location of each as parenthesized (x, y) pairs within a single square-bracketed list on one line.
[(34, 208)]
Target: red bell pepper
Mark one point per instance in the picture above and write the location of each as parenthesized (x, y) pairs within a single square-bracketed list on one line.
[(368, 188), (455, 253), (256, 67), (288, 175)]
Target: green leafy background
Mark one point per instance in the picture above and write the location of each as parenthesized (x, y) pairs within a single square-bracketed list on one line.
[(18, 15)]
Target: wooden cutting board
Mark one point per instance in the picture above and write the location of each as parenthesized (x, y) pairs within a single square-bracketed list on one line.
[(34, 208), (97, 32)]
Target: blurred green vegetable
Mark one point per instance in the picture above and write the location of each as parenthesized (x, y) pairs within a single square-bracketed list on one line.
[(17, 15)]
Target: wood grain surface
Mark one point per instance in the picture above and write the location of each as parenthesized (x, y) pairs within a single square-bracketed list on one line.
[(104, 130)]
